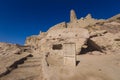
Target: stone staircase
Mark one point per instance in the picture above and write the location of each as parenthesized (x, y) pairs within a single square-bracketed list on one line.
[(29, 70), (31, 62)]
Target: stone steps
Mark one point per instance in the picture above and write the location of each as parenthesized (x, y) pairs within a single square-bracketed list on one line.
[(20, 75), (33, 59), (27, 70), (25, 66), (30, 69), (9, 64), (31, 62)]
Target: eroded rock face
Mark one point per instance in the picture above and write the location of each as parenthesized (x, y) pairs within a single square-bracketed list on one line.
[(78, 36), (68, 35), (88, 34), (10, 49), (79, 31), (106, 42), (71, 32), (11, 55), (62, 25), (33, 41)]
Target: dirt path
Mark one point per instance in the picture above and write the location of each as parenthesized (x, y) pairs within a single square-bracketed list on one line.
[(98, 67), (90, 67)]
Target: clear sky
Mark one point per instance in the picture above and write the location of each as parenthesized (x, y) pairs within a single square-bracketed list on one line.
[(22, 18)]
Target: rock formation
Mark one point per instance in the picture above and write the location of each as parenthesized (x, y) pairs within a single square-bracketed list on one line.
[(106, 42), (10, 49), (87, 34), (74, 31), (45, 54), (73, 16), (12, 55)]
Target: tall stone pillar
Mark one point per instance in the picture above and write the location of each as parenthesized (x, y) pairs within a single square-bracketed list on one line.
[(72, 16)]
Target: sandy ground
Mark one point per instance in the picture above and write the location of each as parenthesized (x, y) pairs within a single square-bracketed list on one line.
[(90, 67)]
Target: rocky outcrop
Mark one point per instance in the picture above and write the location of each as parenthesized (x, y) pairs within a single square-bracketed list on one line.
[(33, 41), (62, 25), (12, 55), (78, 36), (112, 27), (19, 63), (60, 33), (90, 36), (84, 32), (10, 49), (73, 16), (115, 18), (106, 42)]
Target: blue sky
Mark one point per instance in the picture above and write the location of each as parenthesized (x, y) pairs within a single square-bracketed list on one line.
[(22, 18)]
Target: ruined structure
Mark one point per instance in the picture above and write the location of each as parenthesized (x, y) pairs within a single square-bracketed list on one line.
[(54, 40), (81, 32), (53, 54), (61, 44)]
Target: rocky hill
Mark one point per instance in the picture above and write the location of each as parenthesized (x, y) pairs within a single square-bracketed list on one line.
[(88, 28), (91, 45)]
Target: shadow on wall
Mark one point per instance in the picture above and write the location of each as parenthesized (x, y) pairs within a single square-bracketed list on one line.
[(91, 46), (77, 62)]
